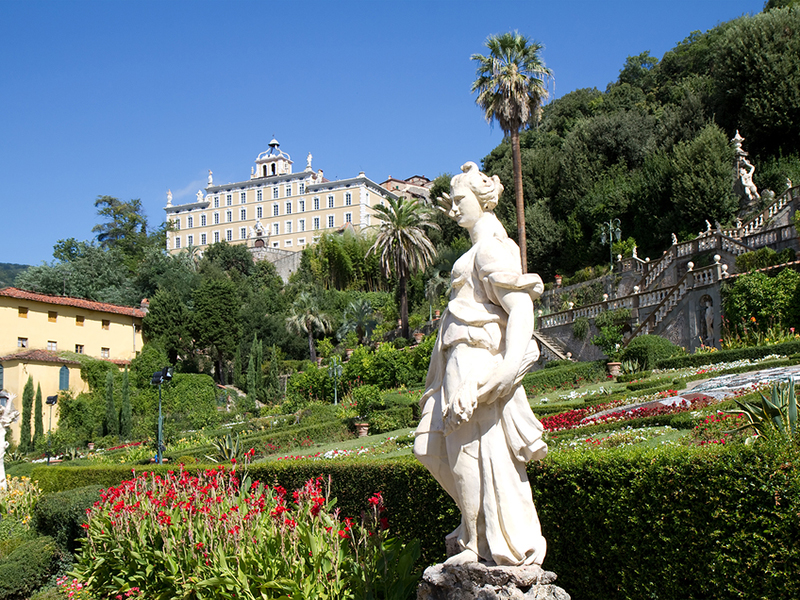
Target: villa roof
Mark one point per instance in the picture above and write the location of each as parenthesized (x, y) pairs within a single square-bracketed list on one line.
[(12, 292), (35, 355)]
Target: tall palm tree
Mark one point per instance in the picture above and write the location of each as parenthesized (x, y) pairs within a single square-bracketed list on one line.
[(511, 88), (402, 245), (305, 317)]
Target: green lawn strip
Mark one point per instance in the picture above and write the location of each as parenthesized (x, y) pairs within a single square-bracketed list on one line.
[(370, 442)]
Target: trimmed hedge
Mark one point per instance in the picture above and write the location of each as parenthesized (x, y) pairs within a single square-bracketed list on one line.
[(28, 568), (669, 523), (647, 350), (751, 352), (59, 515), (566, 376)]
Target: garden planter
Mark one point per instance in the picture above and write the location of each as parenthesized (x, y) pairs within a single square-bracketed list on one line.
[(362, 429), (614, 369)]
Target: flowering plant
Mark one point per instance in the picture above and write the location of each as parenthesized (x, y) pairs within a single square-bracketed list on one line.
[(198, 535)]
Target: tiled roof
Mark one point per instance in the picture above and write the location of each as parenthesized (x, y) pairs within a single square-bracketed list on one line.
[(13, 292), (50, 356), (39, 356)]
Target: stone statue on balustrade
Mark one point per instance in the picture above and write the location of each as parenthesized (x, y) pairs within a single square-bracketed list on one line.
[(8, 414)]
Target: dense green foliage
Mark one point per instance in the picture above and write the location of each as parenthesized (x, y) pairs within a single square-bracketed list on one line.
[(27, 568), (653, 148), (9, 272), (564, 376), (60, 514), (723, 518), (751, 353), (647, 350), (758, 300), (27, 407)]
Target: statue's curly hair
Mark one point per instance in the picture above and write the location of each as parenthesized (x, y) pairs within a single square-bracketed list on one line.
[(486, 189)]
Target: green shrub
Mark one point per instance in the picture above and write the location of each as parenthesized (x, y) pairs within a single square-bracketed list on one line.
[(628, 377), (649, 383), (647, 350), (399, 417), (368, 399), (28, 568), (751, 353), (60, 515), (580, 328), (723, 518), (565, 377)]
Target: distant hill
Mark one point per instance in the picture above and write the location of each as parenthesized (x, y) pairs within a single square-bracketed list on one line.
[(9, 272)]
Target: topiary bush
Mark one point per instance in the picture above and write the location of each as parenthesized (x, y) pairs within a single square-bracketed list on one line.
[(647, 350), (60, 515), (28, 568)]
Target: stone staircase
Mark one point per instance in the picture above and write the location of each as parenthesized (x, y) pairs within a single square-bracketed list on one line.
[(550, 348), (670, 295)]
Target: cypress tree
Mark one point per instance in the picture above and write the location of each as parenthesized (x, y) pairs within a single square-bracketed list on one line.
[(272, 383), (38, 421), (259, 363), (125, 420), (25, 426), (111, 425)]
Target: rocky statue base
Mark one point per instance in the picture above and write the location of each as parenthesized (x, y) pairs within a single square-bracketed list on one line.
[(479, 581)]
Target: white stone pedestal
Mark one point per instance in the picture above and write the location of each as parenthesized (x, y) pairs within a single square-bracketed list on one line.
[(477, 581)]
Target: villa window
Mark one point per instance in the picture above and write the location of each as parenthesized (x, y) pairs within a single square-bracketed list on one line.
[(316, 203), (190, 240), (243, 214), (216, 218), (302, 189), (203, 239), (275, 210), (243, 233), (287, 228), (189, 222), (275, 228), (259, 195), (228, 200), (78, 348), (216, 237), (229, 216), (52, 346), (216, 201), (105, 352), (106, 324), (22, 342), (330, 221), (288, 189), (316, 222), (275, 192), (22, 311), (330, 201), (203, 221), (302, 206), (348, 199), (259, 212), (243, 198), (288, 208), (177, 243), (52, 316), (229, 235), (302, 224), (79, 321)]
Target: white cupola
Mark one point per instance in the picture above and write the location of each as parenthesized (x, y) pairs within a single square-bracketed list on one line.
[(272, 163)]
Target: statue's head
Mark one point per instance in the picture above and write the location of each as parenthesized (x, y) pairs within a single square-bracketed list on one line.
[(486, 189)]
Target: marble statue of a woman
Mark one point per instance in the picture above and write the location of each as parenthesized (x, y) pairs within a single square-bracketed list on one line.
[(7, 416), (477, 429)]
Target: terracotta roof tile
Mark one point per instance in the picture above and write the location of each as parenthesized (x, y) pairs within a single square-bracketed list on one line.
[(13, 292), (54, 357), (39, 356)]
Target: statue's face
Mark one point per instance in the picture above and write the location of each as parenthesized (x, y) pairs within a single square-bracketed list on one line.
[(466, 209)]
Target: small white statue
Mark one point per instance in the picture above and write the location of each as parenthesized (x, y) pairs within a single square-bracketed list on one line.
[(788, 183), (708, 226), (308, 161), (709, 316), (674, 239), (738, 223), (8, 414), (169, 197), (258, 228), (477, 429), (199, 195), (210, 177), (746, 170)]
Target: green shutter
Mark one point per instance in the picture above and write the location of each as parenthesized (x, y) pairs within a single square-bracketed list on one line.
[(63, 378)]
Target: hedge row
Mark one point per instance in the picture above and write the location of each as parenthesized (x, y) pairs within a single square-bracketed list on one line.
[(546, 380), (670, 523), (751, 352)]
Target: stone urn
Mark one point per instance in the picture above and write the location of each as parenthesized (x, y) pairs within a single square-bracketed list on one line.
[(558, 281), (362, 429), (614, 369)]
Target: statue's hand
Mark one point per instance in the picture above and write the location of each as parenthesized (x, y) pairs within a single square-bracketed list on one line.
[(500, 383)]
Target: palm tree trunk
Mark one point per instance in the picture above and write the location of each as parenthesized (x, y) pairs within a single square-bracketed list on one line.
[(517, 159), (403, 285), (311, 348)]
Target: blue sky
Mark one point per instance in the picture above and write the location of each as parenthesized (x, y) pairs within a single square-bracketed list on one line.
[(129, 99)]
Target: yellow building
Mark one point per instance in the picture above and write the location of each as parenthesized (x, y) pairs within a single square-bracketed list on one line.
[(276, 208), (35, 329)]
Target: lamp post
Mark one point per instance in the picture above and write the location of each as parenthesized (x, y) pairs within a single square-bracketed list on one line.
[(51, 402), (335, 371), (159, 377), (610, 233)]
